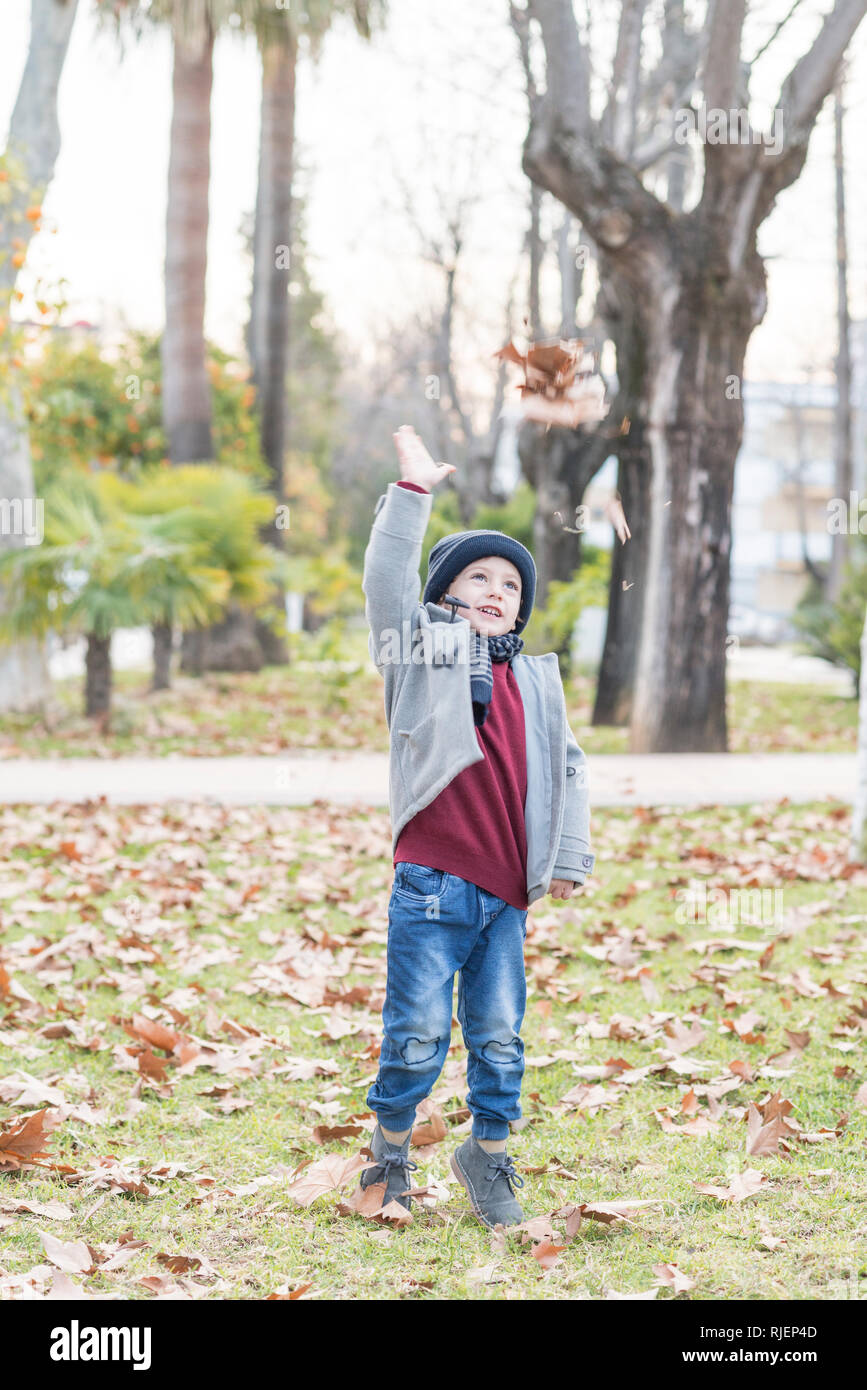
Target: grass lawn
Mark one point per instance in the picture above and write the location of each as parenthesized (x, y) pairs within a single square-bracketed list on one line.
[(309, 707), (194, 993)]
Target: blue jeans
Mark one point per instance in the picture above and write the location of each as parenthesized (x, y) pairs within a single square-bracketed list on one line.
[(438, 924)]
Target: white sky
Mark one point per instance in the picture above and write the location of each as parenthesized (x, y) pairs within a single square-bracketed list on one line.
[(433, 95)]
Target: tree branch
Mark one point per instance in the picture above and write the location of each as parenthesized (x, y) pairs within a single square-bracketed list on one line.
[(722, 65), (563, 152), (567, 67), (618, 122), (811, 79)]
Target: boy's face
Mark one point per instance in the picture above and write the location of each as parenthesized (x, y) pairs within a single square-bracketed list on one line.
[(492, 582)]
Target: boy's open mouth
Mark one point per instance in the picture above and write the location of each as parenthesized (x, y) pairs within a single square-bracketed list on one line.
[(491, 611)]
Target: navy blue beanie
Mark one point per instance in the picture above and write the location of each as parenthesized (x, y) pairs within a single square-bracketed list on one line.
[(453, 553)]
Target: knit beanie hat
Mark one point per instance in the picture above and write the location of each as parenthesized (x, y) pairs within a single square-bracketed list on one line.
[(453, 553)]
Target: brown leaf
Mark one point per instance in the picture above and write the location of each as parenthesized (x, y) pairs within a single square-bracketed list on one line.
[(683, 1039), (608, 1212), (669, 1276), (742, 1185), (21, 1144), (365, 1201), (155, 1034), (393, 1211), (742, 1069), (535, 1229), (323, 1134), (698, 1126), (327, 1175), (689, 1103), (775, 1105), (72, 1256), (179, 1264), (764, 1137), (151, 1066), (435, 1130), (55, 1211), (547, 1253)]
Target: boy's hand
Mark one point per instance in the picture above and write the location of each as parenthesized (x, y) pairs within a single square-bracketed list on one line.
[(562, 887), (416, 464)]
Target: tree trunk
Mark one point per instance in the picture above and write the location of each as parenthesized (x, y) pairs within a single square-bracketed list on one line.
[(270, 302), (97, 684), (269, 336), (163, 636), (187, 413), (537, 254), (624, 314), (616, 680), (843, 365), (858, 847), (229, 645), (34, 140), (699, 328), (186, 391)]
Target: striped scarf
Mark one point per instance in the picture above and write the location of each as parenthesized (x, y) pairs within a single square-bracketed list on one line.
[(484, 650)]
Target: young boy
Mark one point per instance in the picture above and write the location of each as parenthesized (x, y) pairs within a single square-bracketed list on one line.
[(489, 811)]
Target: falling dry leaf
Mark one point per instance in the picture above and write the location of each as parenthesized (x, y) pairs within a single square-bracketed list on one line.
[(561, 385)]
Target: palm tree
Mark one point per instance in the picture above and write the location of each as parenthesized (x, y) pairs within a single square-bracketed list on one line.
[(279, 34), (194, 24), (187, 414), (216, 515), (100, 568)]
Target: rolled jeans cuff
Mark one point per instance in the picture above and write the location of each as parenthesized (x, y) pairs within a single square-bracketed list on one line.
[(489, 1129), (396, 1121)]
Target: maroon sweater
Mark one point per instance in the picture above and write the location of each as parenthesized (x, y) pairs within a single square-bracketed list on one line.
[(475, 827)]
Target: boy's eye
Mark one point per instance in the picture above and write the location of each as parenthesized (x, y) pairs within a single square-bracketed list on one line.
[(479, 575)]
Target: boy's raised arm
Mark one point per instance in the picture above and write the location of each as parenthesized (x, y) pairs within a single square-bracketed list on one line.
[(391, 582)]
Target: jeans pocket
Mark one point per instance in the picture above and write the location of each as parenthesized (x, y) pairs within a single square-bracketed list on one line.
[(419, 882)]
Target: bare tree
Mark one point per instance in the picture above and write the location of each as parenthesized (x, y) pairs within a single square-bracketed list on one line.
[(694, 287), (456, 434)]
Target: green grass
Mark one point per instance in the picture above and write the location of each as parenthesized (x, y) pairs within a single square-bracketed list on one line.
[(262, 882), (307, 707)]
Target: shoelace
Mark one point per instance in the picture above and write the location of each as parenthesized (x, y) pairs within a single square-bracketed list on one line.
[(395, 1160), (504, 1167)]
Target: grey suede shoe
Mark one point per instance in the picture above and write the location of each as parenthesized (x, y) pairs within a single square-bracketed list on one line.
[(488, 1179), (394, 1170)]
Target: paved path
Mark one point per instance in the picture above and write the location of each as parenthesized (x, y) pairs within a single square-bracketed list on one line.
[(656, 779)]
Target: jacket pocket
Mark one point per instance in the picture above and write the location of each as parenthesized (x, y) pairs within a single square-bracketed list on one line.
[(419, 761)]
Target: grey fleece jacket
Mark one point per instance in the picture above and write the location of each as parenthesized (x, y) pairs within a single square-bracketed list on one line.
[(423, 658)]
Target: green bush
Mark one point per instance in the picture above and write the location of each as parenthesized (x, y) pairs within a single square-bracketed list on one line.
[(832, 631), (550, 628)]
